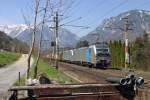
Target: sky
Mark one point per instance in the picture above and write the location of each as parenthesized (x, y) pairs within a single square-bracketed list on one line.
[(92, 12)]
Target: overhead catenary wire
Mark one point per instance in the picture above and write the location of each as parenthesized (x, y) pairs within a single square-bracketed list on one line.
[(77, 4), (108, 12), (60, 20), (84, 27), (98, 4), (70, 8), (72, 21), (66, 10)]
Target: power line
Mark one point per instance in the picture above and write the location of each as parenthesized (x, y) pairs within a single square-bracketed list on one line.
[(68, 8), (83, 27), (71, 7), (98, 4), (111, 10), (77, 4), (72, 21), (125, 30), (108, 12)]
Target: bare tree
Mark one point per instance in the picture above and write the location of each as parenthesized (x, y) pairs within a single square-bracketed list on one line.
[(40, 41), (37, 3)]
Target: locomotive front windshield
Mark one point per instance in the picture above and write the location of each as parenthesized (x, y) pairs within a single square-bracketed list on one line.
[(102, 52), (102, 56)]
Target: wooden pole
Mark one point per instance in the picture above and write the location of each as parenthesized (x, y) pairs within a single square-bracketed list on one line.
[(19, 79)]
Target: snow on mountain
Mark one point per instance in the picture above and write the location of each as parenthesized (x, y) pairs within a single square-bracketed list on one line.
[(13, 30), (24, 33), (139, 21)]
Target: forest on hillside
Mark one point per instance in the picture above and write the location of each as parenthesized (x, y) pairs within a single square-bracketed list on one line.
[(13, 45), (138, 50)]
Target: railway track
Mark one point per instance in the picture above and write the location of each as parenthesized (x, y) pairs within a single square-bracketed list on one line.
[(89, 75), (91, 85), (93, 75), (84, 74)]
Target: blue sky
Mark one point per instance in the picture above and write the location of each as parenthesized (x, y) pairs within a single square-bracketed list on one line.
[(93, 12)]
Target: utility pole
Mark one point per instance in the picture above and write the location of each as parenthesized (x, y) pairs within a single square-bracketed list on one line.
[(56, 28), (126, 28), (56, 21)]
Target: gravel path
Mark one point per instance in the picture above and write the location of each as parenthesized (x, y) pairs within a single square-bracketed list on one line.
[(9, 74)]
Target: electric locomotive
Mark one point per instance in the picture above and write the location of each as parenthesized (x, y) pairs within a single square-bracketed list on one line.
[(97, 55)]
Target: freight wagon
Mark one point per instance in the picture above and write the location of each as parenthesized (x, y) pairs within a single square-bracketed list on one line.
[(97, 55)]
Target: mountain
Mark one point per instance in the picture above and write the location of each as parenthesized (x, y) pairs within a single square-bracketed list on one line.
[(13, 30), (5, 41), (139, 21), (24, 33), (10, 44)]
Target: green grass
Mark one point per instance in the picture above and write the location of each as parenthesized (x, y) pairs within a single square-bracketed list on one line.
[(8, 57), (51, 73)]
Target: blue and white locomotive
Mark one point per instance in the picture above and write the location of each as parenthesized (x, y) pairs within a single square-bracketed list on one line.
[(97, 55)]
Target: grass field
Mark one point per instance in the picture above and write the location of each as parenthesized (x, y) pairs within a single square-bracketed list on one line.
[(8, 57), (51, 73)]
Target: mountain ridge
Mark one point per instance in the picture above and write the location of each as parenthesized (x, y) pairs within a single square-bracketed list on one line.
[(23, 33), (9, 44), (138, 19)]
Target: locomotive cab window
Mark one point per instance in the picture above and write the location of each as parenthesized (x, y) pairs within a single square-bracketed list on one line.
[(102, 50)]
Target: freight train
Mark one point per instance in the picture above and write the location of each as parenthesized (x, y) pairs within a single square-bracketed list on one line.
[(97, 55)]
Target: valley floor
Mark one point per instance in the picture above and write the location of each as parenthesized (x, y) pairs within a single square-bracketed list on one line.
[(8, 57)]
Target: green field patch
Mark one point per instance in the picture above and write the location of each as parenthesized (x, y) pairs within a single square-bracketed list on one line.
[(49, 71), (8, 57)]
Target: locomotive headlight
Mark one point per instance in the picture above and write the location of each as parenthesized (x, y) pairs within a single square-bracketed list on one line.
[(108, 61)]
